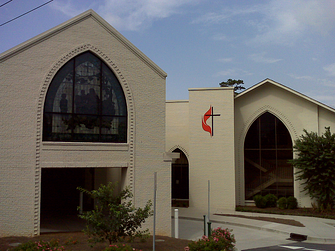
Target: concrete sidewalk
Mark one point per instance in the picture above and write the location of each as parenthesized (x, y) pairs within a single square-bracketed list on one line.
[(316, 229)]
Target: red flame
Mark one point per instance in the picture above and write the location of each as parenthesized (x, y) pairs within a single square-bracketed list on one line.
[(206, 116)]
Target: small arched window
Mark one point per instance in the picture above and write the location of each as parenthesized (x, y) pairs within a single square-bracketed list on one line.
[(85, 102)]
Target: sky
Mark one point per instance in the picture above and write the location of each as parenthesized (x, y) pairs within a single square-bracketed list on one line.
[(200, 43)]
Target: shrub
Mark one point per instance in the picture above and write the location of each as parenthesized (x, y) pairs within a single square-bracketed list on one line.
[(315, 164), (271, 200), (292, 202), (114, 217), (120, 247), (220, 239), (52, 245), (282, 203), (260, 201)]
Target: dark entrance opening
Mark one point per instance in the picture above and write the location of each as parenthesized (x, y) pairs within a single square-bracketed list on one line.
[(60, 197), (180, 181)]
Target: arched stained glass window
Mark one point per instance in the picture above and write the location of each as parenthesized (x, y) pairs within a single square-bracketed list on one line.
[(85, 102), (267, 149)]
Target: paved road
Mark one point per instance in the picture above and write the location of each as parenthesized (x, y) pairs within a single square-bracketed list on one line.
[(250, 239)]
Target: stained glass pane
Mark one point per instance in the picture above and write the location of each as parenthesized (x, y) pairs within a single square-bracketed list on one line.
[(78, 100), (59, 96), (57, 127), (113, 100)]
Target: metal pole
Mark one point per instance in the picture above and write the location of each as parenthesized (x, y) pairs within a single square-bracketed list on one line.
[(209, 226), (176, 224), (205, 225), (155, 190), (209, 199)]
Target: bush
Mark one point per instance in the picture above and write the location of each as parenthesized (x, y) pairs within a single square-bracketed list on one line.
[(260, 201), (114, 217), (315, 164), (220, 239), (52, 245), (120, 247), (282, 203), (292, 203), (271, 200)]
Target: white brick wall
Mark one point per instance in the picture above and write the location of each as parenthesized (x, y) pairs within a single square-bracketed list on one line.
[(294, 110), (26, 72)]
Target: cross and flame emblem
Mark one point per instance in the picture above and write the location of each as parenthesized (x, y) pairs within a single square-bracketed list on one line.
[(207, 115)]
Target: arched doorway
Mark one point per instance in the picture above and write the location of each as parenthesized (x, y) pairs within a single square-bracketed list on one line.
[(267, 149), (180, 181)]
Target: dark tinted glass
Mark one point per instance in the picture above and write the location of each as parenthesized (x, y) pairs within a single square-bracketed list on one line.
[(252, 139), (267, 132), (266, 162)]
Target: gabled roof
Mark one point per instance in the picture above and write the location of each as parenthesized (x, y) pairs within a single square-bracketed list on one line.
[(269, 81), (88, 14)]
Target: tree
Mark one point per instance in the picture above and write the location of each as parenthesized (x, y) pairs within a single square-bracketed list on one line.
[(237, 84), (316, 166), (114, 217)]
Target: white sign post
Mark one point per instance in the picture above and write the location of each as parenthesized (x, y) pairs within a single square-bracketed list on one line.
[(155, 190), (176, 224)]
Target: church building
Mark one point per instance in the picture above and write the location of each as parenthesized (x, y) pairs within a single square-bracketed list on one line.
[(238, 146), (77, 106)]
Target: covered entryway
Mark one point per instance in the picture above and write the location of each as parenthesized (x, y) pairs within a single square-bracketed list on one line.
[(60, 198), (180, 181), (59, 193)]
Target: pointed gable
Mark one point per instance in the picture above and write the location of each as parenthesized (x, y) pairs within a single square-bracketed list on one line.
[(90, 14), (274, 83)]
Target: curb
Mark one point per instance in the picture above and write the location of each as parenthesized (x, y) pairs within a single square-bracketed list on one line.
[(309, 238)]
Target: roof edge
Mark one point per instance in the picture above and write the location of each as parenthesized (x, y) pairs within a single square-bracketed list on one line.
[(67, 24), (267, 80)]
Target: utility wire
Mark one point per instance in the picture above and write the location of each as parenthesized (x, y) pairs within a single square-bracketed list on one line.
[(25, 13), (5, 3)]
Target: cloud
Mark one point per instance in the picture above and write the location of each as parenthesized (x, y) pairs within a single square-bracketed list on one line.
[(225, 15), (69, 8), (126, 14), (220, 37), (309, 78), (139, 14), (225, 60), (330, 69), (260, 58), (232, 73), (279, 22), (290, 20)]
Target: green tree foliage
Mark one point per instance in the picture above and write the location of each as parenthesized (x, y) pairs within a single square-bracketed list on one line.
[(315, 163), (114, 217), (237, 84)]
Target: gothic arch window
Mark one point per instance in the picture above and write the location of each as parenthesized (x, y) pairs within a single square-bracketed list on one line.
[(267, 148), (180, 180), (85, 102)]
